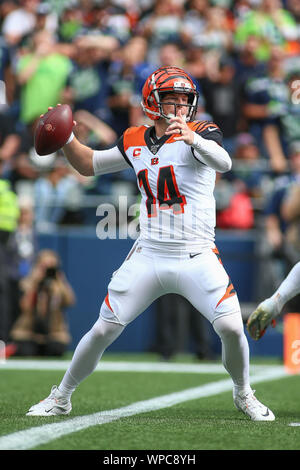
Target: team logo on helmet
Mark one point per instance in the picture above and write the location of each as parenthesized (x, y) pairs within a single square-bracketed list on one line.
[(168, 80)]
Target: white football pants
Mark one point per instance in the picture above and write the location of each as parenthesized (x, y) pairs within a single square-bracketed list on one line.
[(147, 274)]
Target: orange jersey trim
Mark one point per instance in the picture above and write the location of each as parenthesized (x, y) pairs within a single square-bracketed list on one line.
[(199, 126), (172, 137), (134, 137), (196, 126)]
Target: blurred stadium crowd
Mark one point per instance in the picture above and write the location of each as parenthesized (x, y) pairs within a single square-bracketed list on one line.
[(95, 55)]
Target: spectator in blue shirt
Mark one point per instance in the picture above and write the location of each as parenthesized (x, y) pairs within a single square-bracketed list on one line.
[(265, 101), (283, 128)]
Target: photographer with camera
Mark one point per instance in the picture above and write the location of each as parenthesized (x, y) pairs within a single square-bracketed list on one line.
[(41, 329)]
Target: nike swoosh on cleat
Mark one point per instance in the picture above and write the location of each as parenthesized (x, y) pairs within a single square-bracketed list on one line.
[(193, 255), (267, 413), (48, 411), (210, 129)]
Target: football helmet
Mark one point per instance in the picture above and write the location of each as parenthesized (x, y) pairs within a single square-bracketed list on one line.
[(168, 80)]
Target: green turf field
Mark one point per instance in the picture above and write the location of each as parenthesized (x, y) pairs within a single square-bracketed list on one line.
[(130, 405)]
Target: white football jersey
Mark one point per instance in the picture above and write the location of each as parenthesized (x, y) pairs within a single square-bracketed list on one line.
[(178, 204)]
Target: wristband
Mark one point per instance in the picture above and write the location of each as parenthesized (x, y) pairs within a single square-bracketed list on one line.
[(70, 138)]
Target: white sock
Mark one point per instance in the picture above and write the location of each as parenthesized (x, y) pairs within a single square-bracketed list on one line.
[(88, 353), (235, 350), (289, 288)]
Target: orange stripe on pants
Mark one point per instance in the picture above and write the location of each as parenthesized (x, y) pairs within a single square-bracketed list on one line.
[(107, 303)]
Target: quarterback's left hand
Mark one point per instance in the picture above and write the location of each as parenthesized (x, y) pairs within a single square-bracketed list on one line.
[(179, 126)]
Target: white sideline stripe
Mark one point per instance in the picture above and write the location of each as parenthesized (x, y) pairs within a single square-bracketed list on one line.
[(294, 424), (39, 435), (123, 366)]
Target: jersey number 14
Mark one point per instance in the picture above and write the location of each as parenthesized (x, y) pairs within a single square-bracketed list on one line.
[(168, 195)]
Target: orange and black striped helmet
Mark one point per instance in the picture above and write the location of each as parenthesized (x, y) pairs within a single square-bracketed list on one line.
[(168, 79)]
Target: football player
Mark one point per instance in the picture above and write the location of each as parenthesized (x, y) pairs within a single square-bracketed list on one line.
[(175, 162), (268, 310)]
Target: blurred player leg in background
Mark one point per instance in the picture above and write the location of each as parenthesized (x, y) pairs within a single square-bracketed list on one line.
[(180, 328)]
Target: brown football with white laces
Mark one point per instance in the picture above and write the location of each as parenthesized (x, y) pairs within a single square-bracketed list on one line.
[(53, 130)]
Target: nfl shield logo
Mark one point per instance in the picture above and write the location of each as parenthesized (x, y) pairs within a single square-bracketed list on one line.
[(154, 149)]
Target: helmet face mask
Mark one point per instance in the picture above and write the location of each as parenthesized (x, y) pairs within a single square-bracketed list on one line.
[(171, 103), (168, 80)]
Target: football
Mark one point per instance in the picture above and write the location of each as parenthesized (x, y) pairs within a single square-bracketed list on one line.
[(53, 130)]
